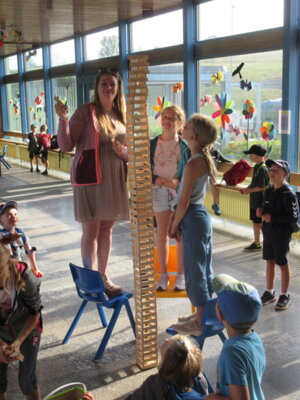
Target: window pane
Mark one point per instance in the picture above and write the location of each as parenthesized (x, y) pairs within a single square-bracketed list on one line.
[(162, 31), (14, 110), (62, 53), (35, 103), (161, 82), (65, 89), (102, 44), (264, 72), (11, 65), (220, 18), (33, 59)]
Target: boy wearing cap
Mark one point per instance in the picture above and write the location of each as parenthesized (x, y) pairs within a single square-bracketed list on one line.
[(259, 183), (242, 361), (18, 243), (280, 210)]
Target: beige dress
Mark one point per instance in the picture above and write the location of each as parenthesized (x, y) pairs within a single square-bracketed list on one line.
[(107, 201)]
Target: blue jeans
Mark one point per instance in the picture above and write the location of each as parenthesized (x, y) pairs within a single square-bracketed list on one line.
[(197, 254)]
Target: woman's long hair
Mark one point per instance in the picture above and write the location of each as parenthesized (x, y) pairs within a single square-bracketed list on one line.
[(206, 133), (9, 275), (119, 105)]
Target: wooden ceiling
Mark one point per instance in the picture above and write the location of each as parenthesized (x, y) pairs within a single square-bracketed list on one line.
[(46, 21)]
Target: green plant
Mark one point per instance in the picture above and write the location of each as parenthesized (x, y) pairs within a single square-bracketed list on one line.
[(235, 150)]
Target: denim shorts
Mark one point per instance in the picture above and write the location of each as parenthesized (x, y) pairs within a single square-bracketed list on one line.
[(163, 199)]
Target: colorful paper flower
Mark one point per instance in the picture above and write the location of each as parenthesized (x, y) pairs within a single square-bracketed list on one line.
[(218, 77), (15, 104), (248, 109), (268, 131), (205, 100), (223, 110), (2, 38), (233, 129), (161, 104), (177, 87)]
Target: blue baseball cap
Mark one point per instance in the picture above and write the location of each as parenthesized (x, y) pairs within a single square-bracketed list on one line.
[(280, 163), (8, 204), (238, 301)]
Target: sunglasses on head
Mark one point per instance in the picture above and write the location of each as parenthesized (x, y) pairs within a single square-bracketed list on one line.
[(113, 71)]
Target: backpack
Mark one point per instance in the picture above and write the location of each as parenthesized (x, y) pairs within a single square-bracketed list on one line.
[(44, 140), (54, 143), (237, 173)]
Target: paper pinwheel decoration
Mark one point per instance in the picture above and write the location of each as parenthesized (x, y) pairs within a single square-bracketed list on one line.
[(217, 78), (178, 87), (223, 110), (2, 38), (233, 129), (205, 100), (16, 33), (268, 131), (248, 109), (161, 104)]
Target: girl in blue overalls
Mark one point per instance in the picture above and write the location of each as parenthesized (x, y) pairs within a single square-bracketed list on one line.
[(191, 222)]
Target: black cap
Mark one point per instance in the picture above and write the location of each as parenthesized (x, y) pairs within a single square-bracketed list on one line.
[(256, 149), (281, 163), (8, 204)]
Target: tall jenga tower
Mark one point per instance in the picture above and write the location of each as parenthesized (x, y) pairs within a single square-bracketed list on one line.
[(139, 172)]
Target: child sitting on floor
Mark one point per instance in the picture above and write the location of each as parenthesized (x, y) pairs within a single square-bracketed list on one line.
[(179, 373), (242, 361), (19, 246)]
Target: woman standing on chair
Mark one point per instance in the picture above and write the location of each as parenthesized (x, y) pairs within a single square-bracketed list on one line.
[(97, 130)]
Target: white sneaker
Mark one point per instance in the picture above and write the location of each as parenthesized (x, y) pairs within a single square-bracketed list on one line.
[(179, 283), (162, 282)]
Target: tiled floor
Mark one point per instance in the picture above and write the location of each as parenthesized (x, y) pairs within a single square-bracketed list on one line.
[(45, 209)]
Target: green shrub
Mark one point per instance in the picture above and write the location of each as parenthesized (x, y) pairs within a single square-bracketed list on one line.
[(234, 150)]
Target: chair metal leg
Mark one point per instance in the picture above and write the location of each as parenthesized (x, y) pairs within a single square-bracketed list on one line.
[(5, 163), (109, 330), (130, 316), (75, 321), (102, 315)]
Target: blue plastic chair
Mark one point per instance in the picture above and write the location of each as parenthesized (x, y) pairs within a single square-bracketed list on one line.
[(211, 326), (90, 288), (2, 159)]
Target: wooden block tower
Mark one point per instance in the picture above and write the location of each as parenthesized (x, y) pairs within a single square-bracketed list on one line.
[(140, 184)]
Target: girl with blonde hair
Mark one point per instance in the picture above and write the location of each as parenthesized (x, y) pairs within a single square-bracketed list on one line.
[(179, 373), (191, 222), (20, 324), (168, 156)]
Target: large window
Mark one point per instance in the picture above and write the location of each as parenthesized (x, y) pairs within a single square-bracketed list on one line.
[(14, 110), (259, 84), (102, 44), (35, 103), (33, 59), (220, 18), (164, 82), (65, 89), (161, 31), (11, 65), (62, 53)]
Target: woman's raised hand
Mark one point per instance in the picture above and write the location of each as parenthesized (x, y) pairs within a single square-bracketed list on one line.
[(61, 109)]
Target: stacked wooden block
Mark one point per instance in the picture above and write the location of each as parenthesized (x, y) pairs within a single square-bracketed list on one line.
[(140, 184)]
